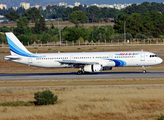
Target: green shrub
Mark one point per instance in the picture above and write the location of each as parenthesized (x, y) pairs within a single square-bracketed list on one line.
[(161, 117), (140, 36), (4, 109), (80, 39), (45, 98)]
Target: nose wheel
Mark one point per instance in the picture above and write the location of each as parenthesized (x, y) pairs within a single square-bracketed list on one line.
[(144, 71)]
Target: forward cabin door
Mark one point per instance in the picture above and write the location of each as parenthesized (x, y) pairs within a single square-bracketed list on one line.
[(142, 56)]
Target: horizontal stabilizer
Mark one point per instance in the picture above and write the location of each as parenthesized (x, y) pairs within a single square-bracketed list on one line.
[(11, 57)]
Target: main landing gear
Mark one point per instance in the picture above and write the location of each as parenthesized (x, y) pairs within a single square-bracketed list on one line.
[(81, 71), (144, 71)]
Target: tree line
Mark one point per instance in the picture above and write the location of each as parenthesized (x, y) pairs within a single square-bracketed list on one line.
[(94, 13), (150, 24), (138, 25)]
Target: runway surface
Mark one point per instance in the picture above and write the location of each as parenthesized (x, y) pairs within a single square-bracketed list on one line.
[(33, 76)]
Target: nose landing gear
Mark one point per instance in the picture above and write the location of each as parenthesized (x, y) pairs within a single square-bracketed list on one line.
[(144, 71)]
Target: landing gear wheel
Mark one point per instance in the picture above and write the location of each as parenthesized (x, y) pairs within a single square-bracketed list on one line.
[(80, 72), (144, 71)]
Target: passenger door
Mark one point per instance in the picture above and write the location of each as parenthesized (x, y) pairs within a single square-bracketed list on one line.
[(142, 56)]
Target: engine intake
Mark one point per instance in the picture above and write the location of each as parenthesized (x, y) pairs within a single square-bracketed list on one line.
[(93, 68)]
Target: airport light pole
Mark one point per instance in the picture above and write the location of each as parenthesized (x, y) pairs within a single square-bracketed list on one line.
[(59, 31), (125, 33)]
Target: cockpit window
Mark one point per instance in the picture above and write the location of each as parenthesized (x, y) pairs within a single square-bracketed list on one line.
[(153, 55)]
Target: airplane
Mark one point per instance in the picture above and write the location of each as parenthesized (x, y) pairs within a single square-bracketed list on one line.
[(87, 62)]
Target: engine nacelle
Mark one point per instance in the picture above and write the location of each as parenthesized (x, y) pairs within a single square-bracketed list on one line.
[(93, 68)]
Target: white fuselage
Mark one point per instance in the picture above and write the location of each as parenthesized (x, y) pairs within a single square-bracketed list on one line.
[(106, 59)]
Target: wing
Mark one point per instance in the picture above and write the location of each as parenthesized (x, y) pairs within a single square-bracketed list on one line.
[(74, 62)]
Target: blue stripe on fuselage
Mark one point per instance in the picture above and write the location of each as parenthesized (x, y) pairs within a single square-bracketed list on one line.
[(118, 63)]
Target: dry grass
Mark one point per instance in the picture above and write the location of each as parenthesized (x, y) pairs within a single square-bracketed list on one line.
[(62, 24), (102, 103), (82, 82)]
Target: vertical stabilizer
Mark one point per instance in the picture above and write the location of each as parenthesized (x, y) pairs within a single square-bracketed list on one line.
[(16, 47)]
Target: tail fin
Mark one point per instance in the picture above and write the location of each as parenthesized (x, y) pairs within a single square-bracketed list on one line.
[(16, 47)]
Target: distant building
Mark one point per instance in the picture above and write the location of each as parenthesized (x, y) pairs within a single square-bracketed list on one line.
[(1, 16), (14, 8), (95, 5), (116, 6), (25, 5), (70, 6), (44, 7), (76, 3), (119, 6), (101, 5), (111, 6), (37, 6), (3, 6), (62, 4)]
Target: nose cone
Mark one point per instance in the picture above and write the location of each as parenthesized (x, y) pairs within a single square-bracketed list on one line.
[(160, 60)]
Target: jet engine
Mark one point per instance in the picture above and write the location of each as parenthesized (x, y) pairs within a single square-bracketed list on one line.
[(93, 68)]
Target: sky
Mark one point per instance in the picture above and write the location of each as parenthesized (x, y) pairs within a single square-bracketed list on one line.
[(89, 2)]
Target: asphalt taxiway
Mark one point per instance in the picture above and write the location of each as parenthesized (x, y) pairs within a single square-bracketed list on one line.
[(73, 75)]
